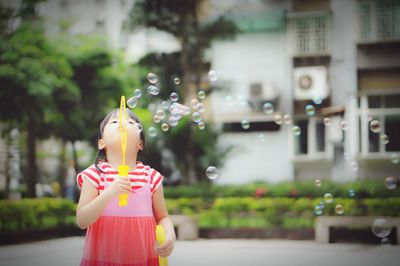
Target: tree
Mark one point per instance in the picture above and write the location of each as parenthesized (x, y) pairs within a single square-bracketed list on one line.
[(181, 18), (31, 73)]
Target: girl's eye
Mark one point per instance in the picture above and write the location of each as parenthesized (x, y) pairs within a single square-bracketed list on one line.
[(131, 122), (113, 122)]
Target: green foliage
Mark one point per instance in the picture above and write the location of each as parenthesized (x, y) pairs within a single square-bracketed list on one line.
[(35, 213), (362, 189)]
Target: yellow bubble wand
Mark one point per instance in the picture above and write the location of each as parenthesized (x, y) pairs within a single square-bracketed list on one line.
[(123, 169), (161, 237)]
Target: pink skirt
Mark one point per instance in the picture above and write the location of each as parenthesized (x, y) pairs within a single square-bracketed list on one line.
[(120, 241)]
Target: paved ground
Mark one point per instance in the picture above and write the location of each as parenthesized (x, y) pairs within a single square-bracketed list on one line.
[(67, 251)]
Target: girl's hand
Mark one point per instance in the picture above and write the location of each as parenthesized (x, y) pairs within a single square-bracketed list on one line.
[(165, 249), (120, 185)]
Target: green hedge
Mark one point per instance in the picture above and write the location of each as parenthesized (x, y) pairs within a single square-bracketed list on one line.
[(362, 189), (275, 212), (40, 213)]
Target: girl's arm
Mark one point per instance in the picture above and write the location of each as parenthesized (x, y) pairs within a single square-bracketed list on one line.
[(91, 204), (161, 217)]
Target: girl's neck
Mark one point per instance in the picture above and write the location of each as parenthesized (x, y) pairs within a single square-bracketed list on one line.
[(115, 160)]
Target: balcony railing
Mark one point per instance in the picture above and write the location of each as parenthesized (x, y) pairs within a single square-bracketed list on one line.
[(379, 20), (309, 33)]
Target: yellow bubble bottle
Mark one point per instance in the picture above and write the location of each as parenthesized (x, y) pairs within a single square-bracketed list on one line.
[(160, 237)]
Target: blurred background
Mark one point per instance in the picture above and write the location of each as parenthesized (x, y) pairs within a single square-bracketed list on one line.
[(262, 114)]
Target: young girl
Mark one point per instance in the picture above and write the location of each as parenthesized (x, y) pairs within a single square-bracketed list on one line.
[(122, 235)]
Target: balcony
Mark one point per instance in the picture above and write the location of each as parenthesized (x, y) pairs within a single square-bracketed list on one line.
[(379, 21), (309, 33)]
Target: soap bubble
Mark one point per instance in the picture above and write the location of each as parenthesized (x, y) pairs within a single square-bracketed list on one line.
[(131, 102), (268, 108), (395, 158), (381, 228), (194, 103), (152, 78), (201, 125), (390, 182), (152, 132), (375, 126), (339, 209), (384, 139), (296, 130), (137, 93), (344, 125), (164, 127), (245, 124), (160, 113), (317, 99), (201, 95), (351, 193), (165, 105), (174, 97), (212, 172), (156, 119), (196, 117), (153, 90), (177, 81), (278, 119), (318, 210), (212, 75), (310, 110), (261, 137), (328, 197), (173, 121), (318, 182), (385, 241), (327, 121), (287, 119), (200, 108)]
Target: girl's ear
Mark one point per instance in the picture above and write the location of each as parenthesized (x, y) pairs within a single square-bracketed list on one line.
[(140, 145), (100, 144)]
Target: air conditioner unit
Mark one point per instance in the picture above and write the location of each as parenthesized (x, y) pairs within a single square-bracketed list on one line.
[(260, 93), (310, 83)]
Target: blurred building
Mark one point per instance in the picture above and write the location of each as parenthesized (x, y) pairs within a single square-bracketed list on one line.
[(342, 58)]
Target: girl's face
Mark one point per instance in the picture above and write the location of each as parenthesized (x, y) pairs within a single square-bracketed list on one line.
[(111, 137)]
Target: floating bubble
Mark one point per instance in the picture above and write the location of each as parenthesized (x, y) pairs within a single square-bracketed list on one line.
[(152, 132), (212, 172), (381, 228), (152, 78), (390, 182), (375, 126), (177, 81), (318, 210), (339, 209), (201, 125), (385, 241), (194, 103), (287, 119), (164, 127), (137, 93), (174, 97), (318, 182), (200, 108), (310, 110), (245, 124), (131, 102), (351, 193), (268, 108), (173, 121), (344, 125), (384, 139), (354, 166), (212, 75), (261, 137), (160, 113), (327, 121), (395, 158), (153, 90), (317, 99), (196, 117), (296, 130), (156, 119), (165, 105), (278, 119), (201, 95), (328, 197)]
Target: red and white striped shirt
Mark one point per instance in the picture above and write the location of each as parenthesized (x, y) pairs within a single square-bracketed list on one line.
[(141, 175)]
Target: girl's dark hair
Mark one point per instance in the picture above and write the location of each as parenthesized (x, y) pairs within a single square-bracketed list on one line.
[(101, 154)]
